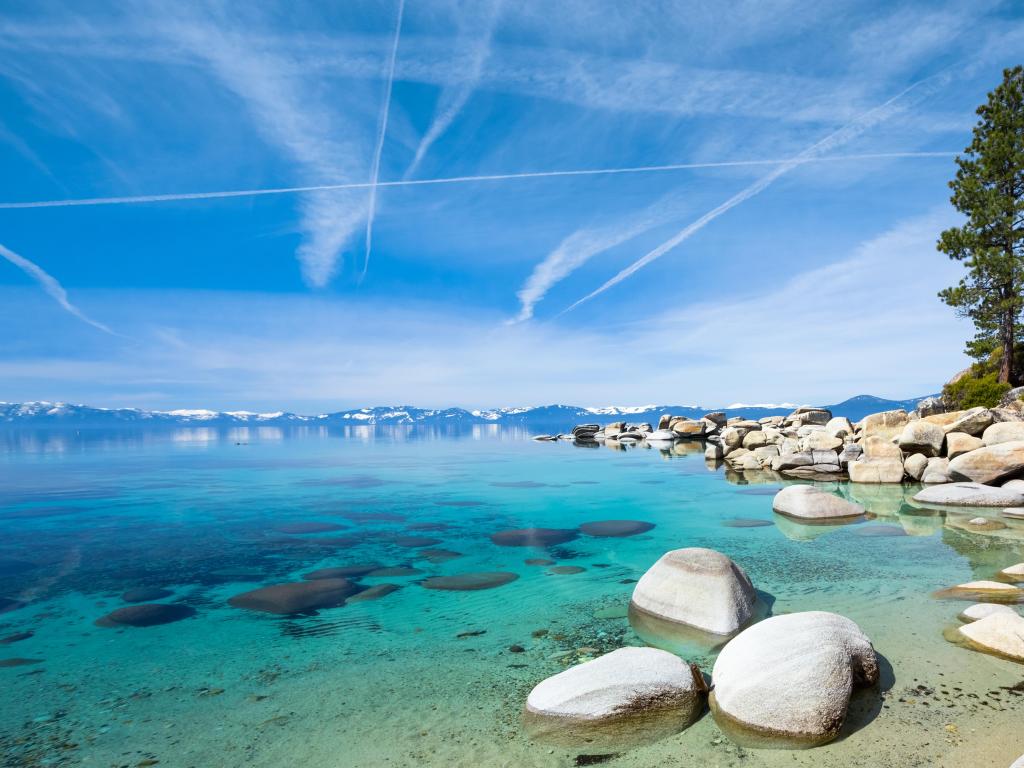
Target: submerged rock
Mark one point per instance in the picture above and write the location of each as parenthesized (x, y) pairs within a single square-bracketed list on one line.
[(534, 537), (18, 662), (1001, 634), (342, 571), (145, 594), (296, 596), (539, 561), (308, 526), (375, 592), (970, 495), (470, 582), (615, 528), (566, 570), (789, 678), (807, 502), (697, 587), (413, 542), (146, 615)]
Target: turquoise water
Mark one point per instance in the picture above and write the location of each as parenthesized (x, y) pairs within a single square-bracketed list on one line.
[(433, 677)]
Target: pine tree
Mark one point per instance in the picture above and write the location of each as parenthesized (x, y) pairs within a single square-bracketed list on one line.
[(989, 190)]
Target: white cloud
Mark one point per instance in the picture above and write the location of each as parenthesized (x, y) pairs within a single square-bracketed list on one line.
[(49, 284)]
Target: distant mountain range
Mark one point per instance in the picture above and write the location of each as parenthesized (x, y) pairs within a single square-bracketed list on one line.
[(553, 418)]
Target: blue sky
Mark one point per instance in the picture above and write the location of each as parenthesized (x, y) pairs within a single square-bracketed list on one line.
[(797, 263)]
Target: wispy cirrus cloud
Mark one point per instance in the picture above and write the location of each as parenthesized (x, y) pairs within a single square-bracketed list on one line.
[(902, 101), (584, 244), (290, 111), (382, 132), (51, 286), (455, 95)]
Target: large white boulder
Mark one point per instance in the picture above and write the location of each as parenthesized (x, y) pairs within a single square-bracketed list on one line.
[(876, 471), (983, 610), (791, 676), (1003, 432), (970, 495), (807, 502), (959, 443), (840, 426), (697, 587), (937, 471), (921, 437), (915, 465), (973, 421), (1001, 634), (879, 448), (989, 464), (885, 425), (624, 682)]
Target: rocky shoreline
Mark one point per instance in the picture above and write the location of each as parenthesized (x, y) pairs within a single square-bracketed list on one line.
[(928, 445), (786, 681)]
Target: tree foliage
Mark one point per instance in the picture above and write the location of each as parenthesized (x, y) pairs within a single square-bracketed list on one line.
[(989, 190)]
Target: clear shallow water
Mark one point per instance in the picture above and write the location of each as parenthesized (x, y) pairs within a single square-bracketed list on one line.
[(425, 677)]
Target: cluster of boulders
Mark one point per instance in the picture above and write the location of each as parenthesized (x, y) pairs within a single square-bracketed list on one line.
[(927, 445), (787, 679)]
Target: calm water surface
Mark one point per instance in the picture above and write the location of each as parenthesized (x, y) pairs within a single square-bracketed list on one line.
[(423, 677)]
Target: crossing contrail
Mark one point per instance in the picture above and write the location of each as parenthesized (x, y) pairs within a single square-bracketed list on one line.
[(375, 173), (188, 196), (835, 139), (50, 285)]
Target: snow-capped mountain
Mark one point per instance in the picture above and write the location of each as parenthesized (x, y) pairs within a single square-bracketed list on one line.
[(547, 417)]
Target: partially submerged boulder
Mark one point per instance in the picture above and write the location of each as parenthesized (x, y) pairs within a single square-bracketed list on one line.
[(807, 502), (970, 495), (1001, 634), (983, 610), (627, 681), (697, 587), (788, 679)]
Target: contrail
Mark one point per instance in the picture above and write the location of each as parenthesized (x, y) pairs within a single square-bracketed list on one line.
[(187, 196), (837, 138), (375, 172), (51, 286)]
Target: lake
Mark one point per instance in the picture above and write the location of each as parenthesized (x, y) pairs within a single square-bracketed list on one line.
[(421, 675)]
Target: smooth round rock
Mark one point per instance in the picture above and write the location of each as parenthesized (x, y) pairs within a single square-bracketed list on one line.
[(1013, 572), (624, 682), (534, 537), (788, 679), (296, 596), (145, 594), (982, 610), (806, 502), (470, 582), (1000, 634), (970, 495), (146, 615), (697, 587), (615, 528)]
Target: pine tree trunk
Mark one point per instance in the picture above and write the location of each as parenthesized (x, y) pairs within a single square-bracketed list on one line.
[(1007, 374)]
